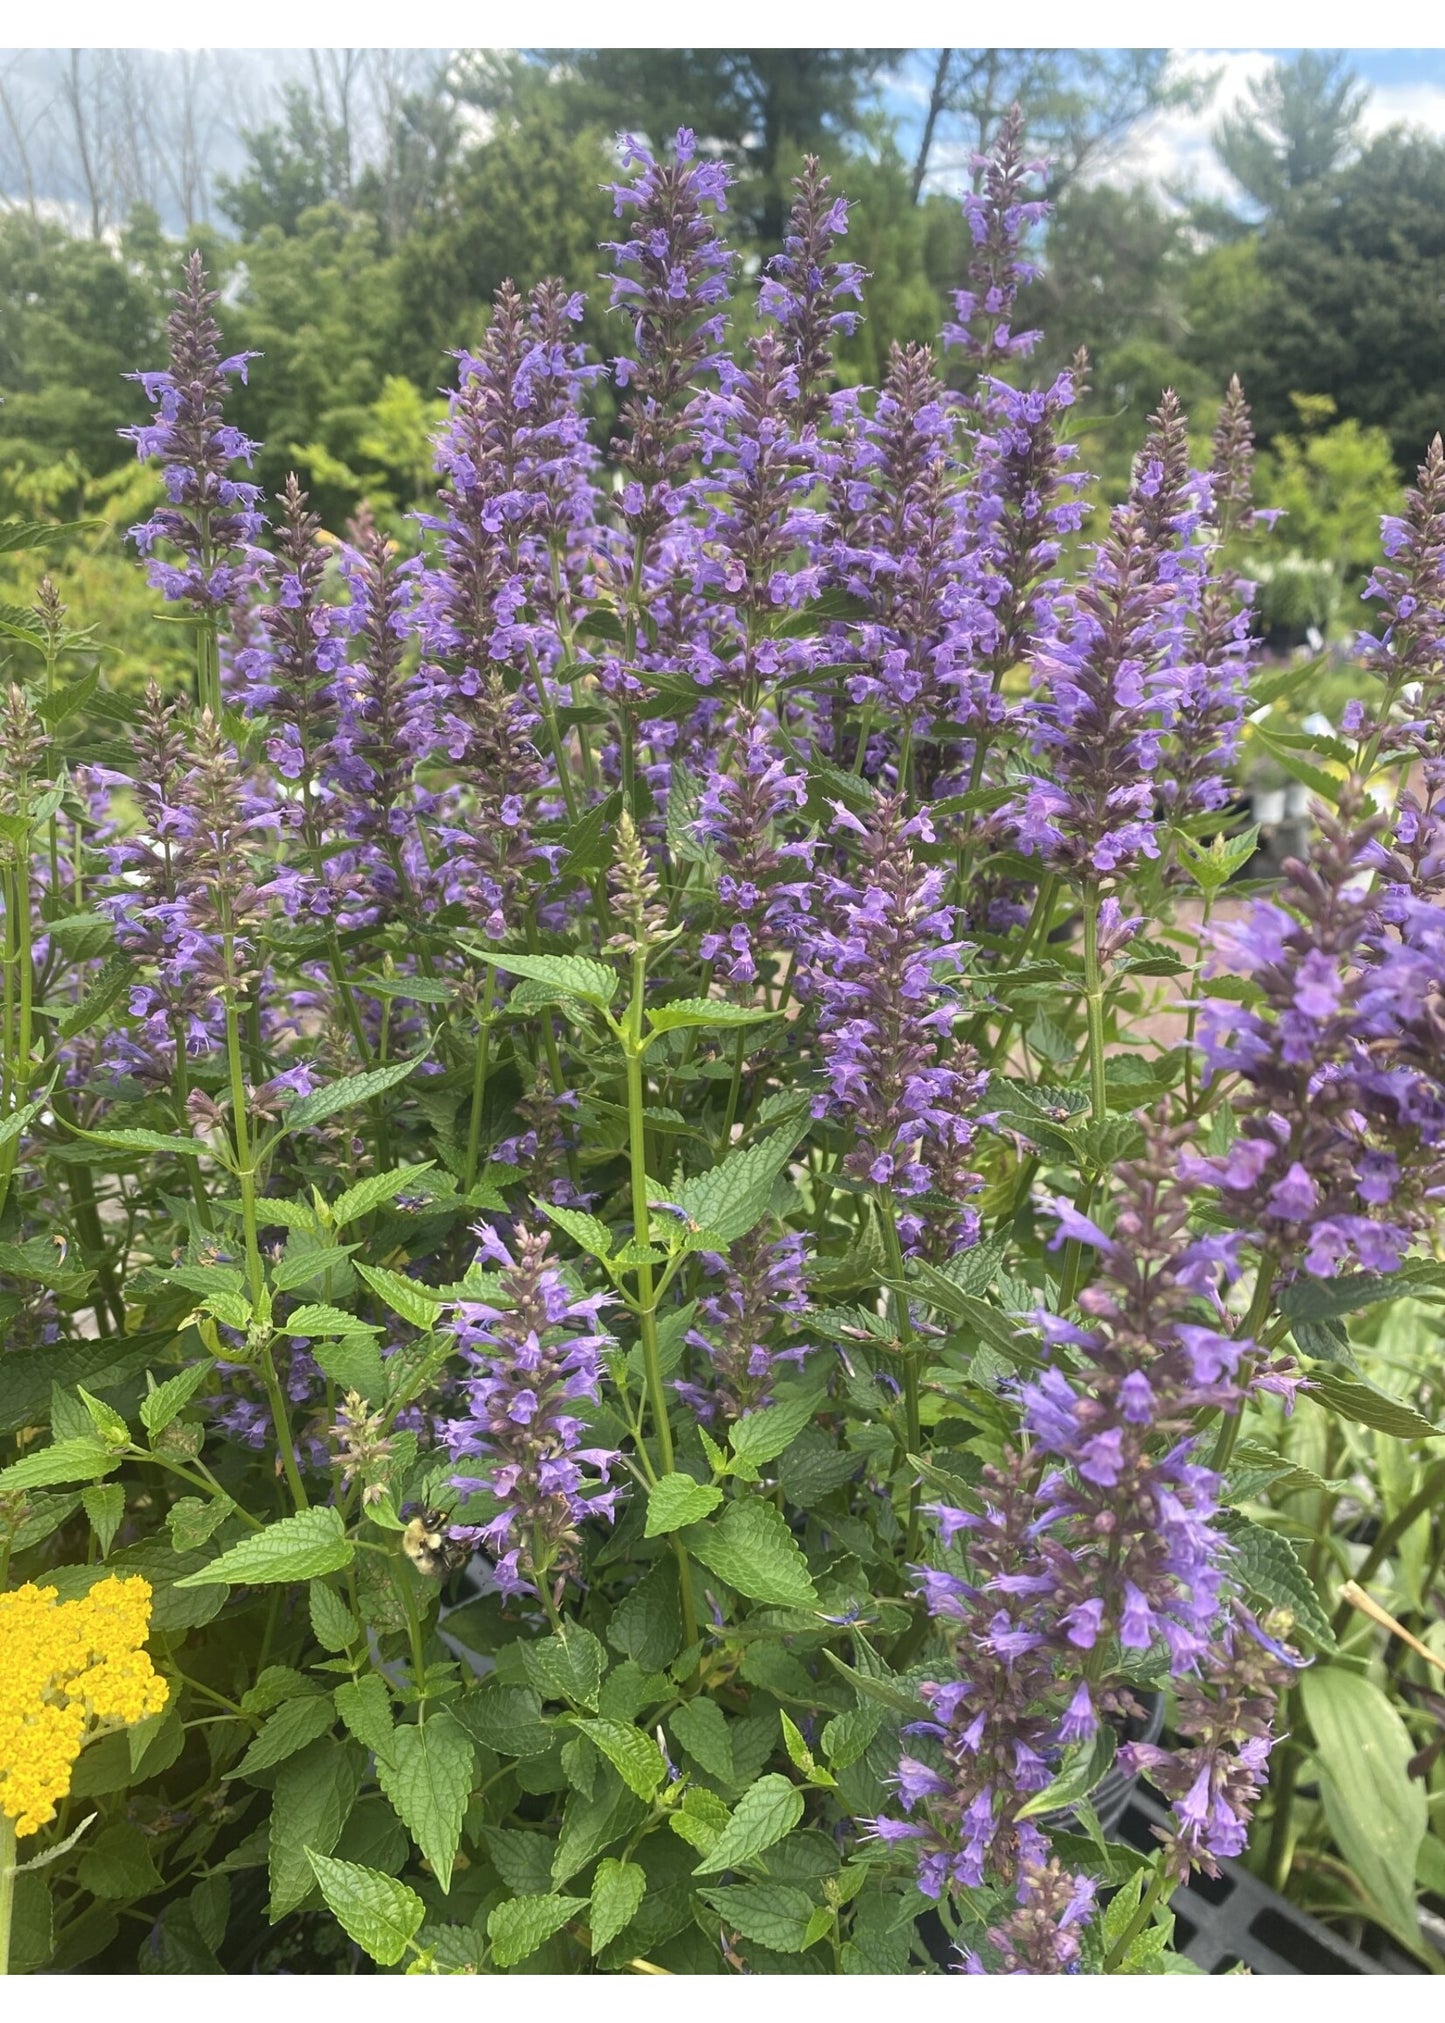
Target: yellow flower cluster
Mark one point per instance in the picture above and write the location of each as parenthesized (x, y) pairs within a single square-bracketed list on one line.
[(67, 1669)]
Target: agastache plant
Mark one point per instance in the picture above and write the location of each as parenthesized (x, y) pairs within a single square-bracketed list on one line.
[(662, 1196)]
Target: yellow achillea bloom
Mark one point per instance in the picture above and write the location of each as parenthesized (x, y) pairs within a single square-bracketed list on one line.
[(69, 1669)]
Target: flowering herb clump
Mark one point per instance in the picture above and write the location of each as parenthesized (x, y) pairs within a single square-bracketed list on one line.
[(656, 1215)]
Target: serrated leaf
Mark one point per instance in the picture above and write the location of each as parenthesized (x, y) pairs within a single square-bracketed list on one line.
[(374, 1190), (314, 1794), (576, 976), (733, 1198), (701, 1728), (1079, 1772), (764, 1814), (365, 1706), (769, 1914), (634, 1756), (333, 1625), (1352, 1398), (104, 1505), (295, 1548), (79, 1460), (676, 1500), (290, 1729), (1377, 1812), (646, 1625), (617, 1890), (381, 1914), (518, 1928), (1269, 1567), (194, 1519), (348, 1093), (143, 1141), (160, 1406), (567, 1667), (427, 1775), (762, 1436), (318, 1318), (705, 1011), (415, 1303), (586, 1231), (353, 1363), (16, 536), (752, 1549), (299, 1267)]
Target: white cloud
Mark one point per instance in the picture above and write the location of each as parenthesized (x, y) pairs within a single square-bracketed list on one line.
[(1176, 147)]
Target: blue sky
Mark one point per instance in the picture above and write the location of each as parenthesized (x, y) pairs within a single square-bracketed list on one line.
[(1406, 86)]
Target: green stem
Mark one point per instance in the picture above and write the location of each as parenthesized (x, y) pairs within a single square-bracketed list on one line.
[(1254, 1321), (1119, 1951), (1094, 999), (479, 1075), (633, 1049), (913, 1424), (7, 1887), (1279, 1858)]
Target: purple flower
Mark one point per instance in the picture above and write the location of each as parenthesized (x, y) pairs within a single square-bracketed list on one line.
[(535, 1354), (209, 516)]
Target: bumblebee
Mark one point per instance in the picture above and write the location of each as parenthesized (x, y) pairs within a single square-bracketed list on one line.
[(427, 1545)]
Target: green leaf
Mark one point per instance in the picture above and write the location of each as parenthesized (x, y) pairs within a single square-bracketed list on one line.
[(18, 535), (143, 1141), (890, 1693), (108, 1423), (1270, 1568), (296, 1548), (428, 1778), (160, 1406), (676, 1500), (634, 1756), (586, 1231), (365, 1706), (752, 1549), (762, 1436), (570, 975), (191, 1520), (762, 1816), (381, 1914), (320, 1319), (701, 1728), (333, 1625), (353, 1364), (1377, 1812), (373, 1191), (734, 1197), (646, 1625), (118, 1863), (567, 1667), (705, 1011), (516, 1929), (617, 1890), (314, 1794), (290, 1728), (1079, 1772), (300, 1266), (66, 1461), (348, 1093), (105, 1507), (770, 1914), (1354, 1399), (415, 1303)]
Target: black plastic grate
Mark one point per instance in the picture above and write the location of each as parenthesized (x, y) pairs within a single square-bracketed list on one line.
[(1235, 1920)]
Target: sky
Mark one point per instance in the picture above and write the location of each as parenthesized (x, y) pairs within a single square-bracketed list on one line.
[(1171, 148), (1406, 85), (1174, 147)]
